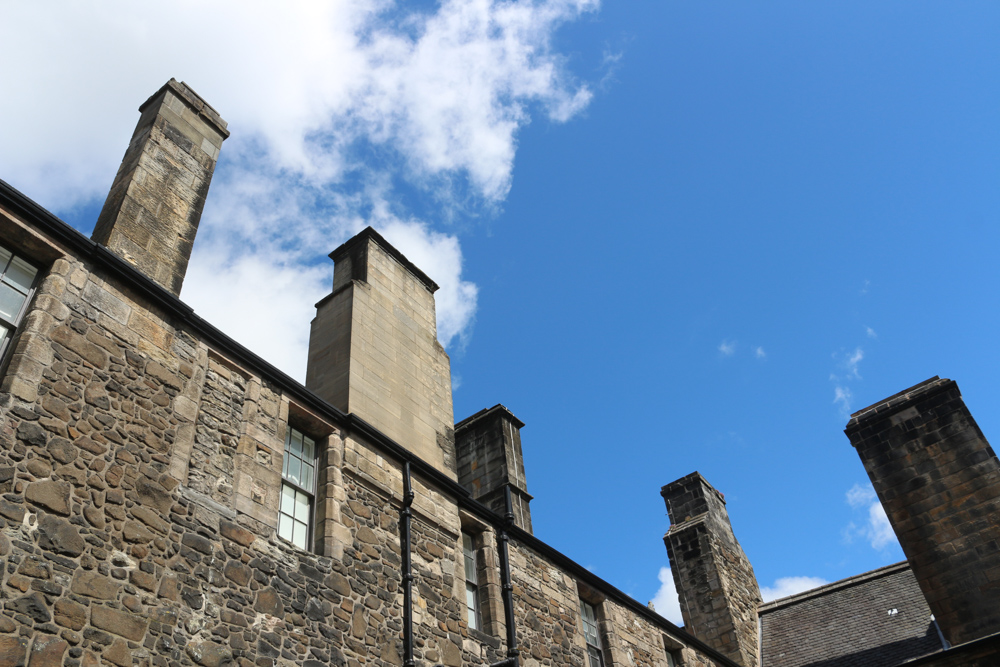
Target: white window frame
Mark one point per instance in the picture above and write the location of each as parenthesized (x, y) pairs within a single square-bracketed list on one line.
[(591, 634), (10, 323), (473, 591), (297, 503)]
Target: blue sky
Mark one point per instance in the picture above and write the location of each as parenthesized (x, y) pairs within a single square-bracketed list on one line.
[(672, 236)]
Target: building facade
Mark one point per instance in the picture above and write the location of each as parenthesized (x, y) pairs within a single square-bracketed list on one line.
[(168, 498)]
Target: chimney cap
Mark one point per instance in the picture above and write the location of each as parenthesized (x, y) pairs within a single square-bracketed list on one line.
[(499, 408), (193, 100), (895, 402), (369, 234)]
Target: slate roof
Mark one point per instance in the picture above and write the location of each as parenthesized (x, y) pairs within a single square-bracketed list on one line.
[(849, 623)]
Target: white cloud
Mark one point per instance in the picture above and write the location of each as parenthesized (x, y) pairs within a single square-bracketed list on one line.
[(870, 332), (331, 105), (842, 397), (785, 586), (727, 348), (876, 530), (759, 352), (852, 361), (665, 601)]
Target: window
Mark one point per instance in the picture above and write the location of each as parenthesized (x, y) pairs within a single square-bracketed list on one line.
[(472, 605), (16, 282), (298, 489), (590, 633), (673, 648)]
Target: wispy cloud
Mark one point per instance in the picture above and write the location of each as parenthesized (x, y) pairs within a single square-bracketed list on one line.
[(848, 370), (842, 397), (727, 348), (852, 361), (355, 113), (665, 601), (875, 527), (785, 586), (759, 352), (864, 289), (870, 332)]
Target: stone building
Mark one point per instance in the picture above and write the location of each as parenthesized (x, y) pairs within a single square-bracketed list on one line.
[(939, 481), (169, 498)]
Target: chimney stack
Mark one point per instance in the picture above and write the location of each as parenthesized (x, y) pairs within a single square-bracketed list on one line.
[(715, 582), (488, 445), (939, 482), (151, 215), (374, 352)]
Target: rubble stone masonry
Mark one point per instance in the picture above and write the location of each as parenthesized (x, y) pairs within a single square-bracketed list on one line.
[(140, 475)]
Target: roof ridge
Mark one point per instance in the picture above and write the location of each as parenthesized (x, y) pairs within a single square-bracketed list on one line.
[(834, 586)]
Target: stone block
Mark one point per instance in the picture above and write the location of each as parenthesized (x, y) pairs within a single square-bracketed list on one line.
[(53, 496), (47, 651), (13, 651), (118, 623)]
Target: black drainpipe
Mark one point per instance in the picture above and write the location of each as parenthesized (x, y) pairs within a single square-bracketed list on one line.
[(506, 586), (405, 515)]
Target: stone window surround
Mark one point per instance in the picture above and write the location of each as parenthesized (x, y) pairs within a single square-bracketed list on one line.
[(674, 651), (288, 516), (320, 431), (592, 635), (596, 600), (491, 611), (37, 251)]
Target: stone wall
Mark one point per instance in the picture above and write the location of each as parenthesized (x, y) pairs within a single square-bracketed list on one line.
[(140, 475)]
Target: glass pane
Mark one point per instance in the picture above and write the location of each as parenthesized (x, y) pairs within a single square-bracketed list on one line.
[(470, 569), (4, 332), (307, 477), (595, 657), (302, 506), (20, 274), (294, 469), (284, 464), (296, 443), (284, 527), (10, 302), (4, 258), (299, 537), (287, 500), (471, 607), (308, 448)]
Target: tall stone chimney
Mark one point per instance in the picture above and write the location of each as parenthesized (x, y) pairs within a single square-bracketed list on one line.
[(151, 215), (374, 352), (715, 582), (939, 482), (488, 445)]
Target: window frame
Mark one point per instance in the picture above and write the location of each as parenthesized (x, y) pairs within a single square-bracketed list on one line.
[(14, 323), (474, 614), (298, 488), (674, 652), (593, 649)]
